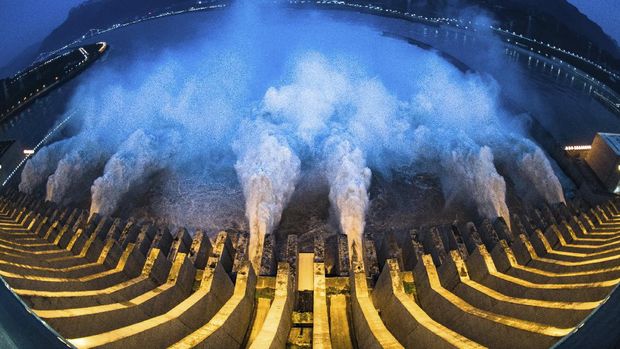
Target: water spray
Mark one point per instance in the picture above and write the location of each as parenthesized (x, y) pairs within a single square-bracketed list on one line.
[(268, 171), (349, 180)]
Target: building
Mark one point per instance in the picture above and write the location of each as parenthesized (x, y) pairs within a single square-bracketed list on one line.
[(604, 159)]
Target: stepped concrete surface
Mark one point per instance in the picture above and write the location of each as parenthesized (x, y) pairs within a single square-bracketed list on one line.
[(104, 282)]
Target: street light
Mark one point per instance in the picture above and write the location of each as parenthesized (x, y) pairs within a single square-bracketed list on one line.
[(28, 152)]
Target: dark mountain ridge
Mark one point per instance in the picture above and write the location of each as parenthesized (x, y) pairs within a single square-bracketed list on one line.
[(557, 22), (560, 23), (554, 21)]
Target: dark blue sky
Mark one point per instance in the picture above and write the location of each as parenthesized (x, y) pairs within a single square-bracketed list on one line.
[(604, 12), (25, 22)]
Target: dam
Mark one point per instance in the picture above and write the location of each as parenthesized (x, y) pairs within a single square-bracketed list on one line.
[(103, 282), (294, 174)]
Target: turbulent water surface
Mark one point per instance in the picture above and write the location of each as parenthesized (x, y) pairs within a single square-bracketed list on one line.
[(296, 121)]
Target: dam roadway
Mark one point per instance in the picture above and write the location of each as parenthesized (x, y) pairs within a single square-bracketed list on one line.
[(24, 88)]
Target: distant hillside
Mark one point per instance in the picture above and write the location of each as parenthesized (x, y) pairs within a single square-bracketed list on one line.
[(554, 21), (92, 14), (101, 14), (23, 59), (558, 22)]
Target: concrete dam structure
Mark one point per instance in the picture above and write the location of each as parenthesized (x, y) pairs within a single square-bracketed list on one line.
[(105, 282), (308, 174)]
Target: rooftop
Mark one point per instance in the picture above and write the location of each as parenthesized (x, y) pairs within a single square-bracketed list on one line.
[(613, 140)]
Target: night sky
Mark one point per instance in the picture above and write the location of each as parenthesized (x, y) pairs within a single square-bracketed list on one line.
[(25, 22), (603, 12)]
